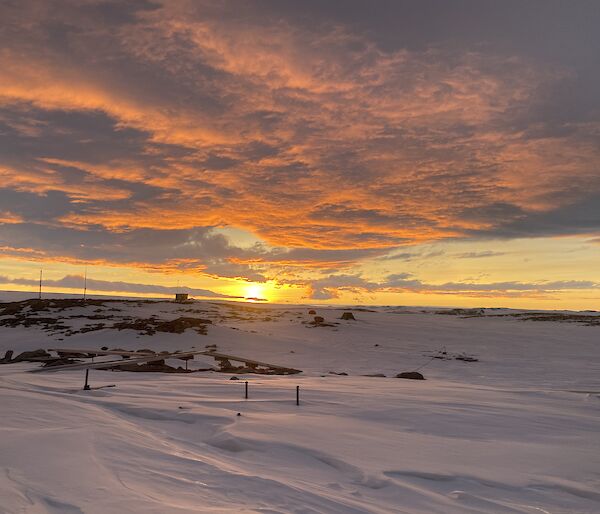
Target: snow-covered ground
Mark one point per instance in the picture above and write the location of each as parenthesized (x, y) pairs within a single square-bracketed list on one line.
[(518, 431)]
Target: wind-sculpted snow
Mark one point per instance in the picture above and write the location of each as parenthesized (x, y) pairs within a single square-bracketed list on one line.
[(514, 432)]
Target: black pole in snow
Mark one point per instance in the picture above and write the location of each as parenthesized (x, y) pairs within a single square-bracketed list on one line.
[(86, 387), (246, 390), (297, 395)]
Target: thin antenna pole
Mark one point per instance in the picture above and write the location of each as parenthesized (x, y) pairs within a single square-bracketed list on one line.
[(84, 283), (40, 293)]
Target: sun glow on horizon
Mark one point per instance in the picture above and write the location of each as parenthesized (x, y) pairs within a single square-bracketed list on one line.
[(256, 292)]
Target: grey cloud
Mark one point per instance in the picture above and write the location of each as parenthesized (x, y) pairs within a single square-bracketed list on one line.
[(347, 214), (306, 255), (564, 31), (77, 282), (417, 285), (478, 255), (578, 217), (411, 256), (33, 207), (194, 249), (329, 287), (219, 162), (232, 270), (91, 137), (496, 213), (402, 256)]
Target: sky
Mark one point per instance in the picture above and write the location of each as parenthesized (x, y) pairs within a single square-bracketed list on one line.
[(424, 152)]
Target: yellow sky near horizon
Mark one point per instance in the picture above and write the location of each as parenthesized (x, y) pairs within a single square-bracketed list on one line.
[(541, 261)]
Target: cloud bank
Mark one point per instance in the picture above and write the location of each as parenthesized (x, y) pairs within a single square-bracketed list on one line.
[(78, 281)]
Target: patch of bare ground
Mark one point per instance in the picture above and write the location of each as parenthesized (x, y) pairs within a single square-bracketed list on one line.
[(61, 304), (47, 315), (150, 326), (587, 319)]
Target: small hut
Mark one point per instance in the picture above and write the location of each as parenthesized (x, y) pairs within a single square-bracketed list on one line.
[(181, 297)]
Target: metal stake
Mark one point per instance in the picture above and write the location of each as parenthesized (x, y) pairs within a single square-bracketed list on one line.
[(297, 395), (246, 390), (86, 387)]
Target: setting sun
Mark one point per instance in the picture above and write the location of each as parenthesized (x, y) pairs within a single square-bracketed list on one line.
[(255, 292)]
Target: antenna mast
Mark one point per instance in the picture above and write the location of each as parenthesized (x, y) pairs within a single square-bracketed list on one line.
[(40, 293), (84, 283)]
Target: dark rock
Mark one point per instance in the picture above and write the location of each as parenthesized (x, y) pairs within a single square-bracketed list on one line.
[(72, 355), (34, 354), (348, 316), (11, 309), (59, 362), (412, 375), (319, 322), (462, 312), (152, 325), (234, 378), (91, 328), (375, 375), (151, 367), (466, 358), (7, 356), (26, 321), (312, 311)]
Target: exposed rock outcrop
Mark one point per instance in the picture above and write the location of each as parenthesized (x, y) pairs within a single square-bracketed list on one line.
[(411, 375)]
